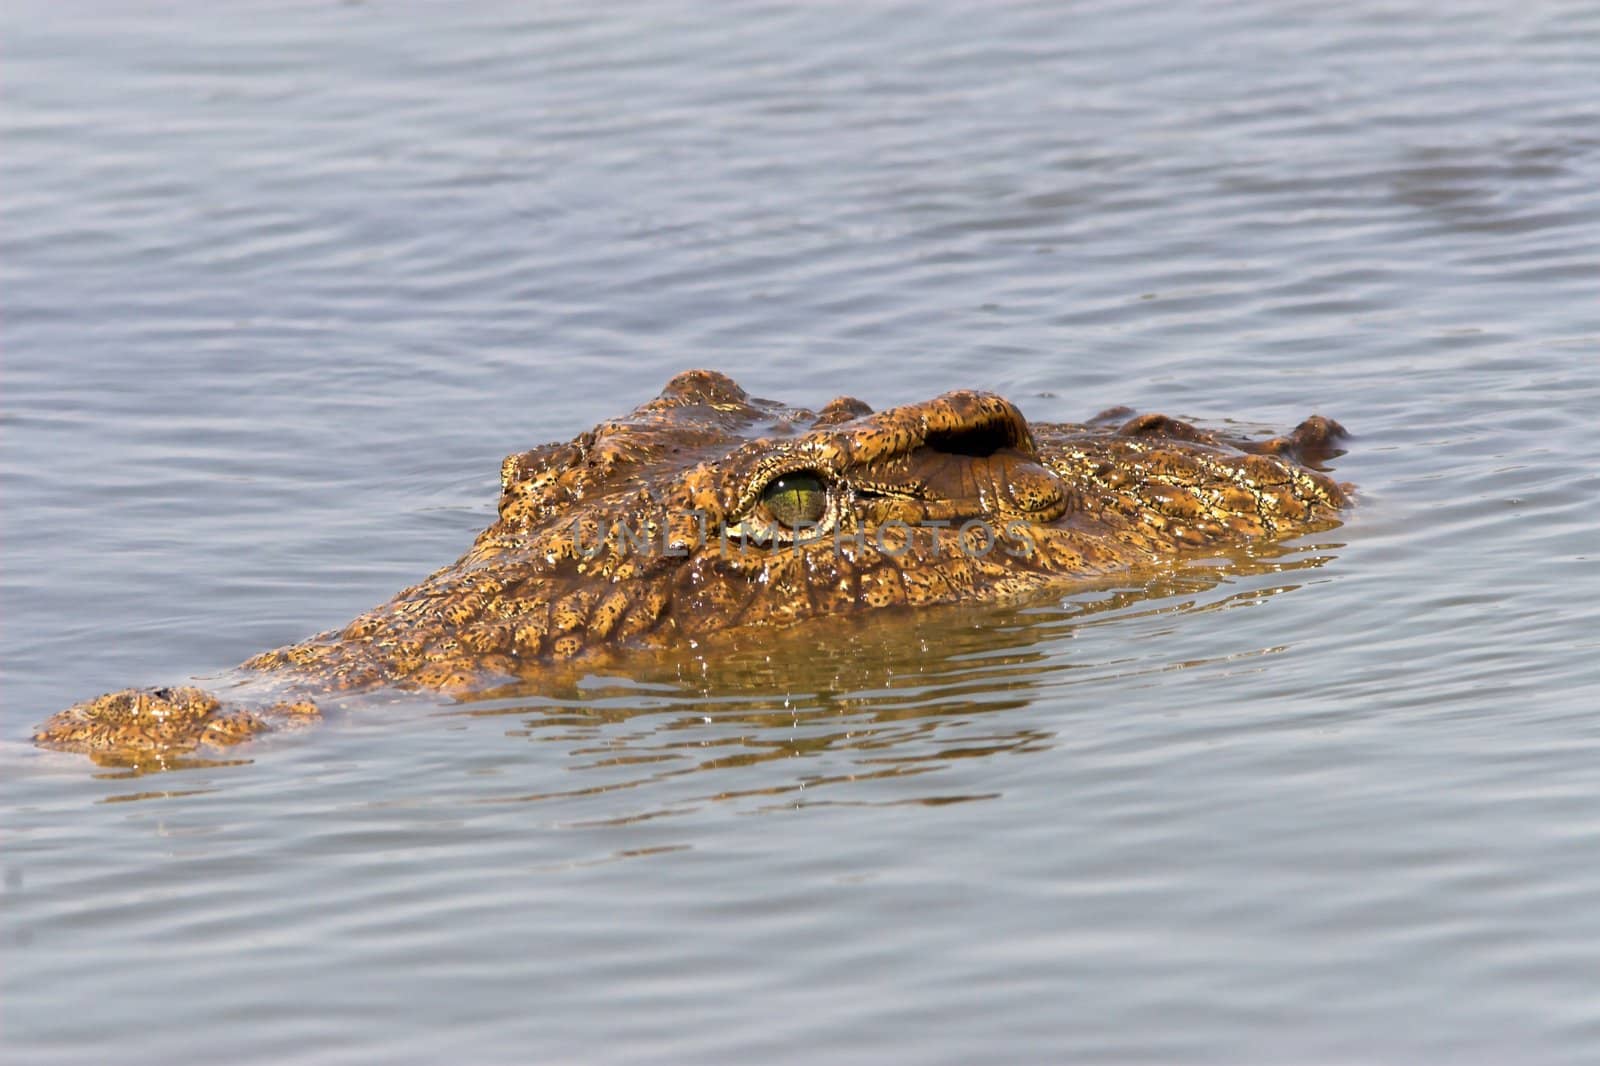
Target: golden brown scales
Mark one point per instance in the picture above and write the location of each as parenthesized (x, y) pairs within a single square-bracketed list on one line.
[(706, 509)]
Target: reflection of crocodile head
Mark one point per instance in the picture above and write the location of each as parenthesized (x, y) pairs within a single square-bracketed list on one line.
[(706, 510)]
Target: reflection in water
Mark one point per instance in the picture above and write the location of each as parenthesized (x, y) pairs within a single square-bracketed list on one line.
[(175, 793), (155, 762), (857, 700)]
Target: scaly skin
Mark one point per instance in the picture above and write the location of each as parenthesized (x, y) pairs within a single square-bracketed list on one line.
[(652, 530)]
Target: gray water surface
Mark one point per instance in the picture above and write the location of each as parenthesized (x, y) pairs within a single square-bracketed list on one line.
[(282, 283)]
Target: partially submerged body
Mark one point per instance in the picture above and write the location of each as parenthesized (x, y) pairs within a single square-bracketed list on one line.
[(705, 510)]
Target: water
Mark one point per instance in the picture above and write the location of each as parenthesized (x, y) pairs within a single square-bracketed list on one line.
[(283, 282)]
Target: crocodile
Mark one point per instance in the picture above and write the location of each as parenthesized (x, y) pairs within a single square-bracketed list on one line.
[(707, 509)]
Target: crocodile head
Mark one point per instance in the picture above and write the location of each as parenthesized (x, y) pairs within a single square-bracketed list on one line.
[(706, 510)]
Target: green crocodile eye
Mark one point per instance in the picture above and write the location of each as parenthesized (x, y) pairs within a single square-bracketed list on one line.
[(796, 499)]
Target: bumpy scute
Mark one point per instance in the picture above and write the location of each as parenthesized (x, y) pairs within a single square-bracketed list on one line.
[(650, 530)]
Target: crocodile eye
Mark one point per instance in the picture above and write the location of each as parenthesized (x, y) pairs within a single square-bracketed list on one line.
[(798, 498)]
